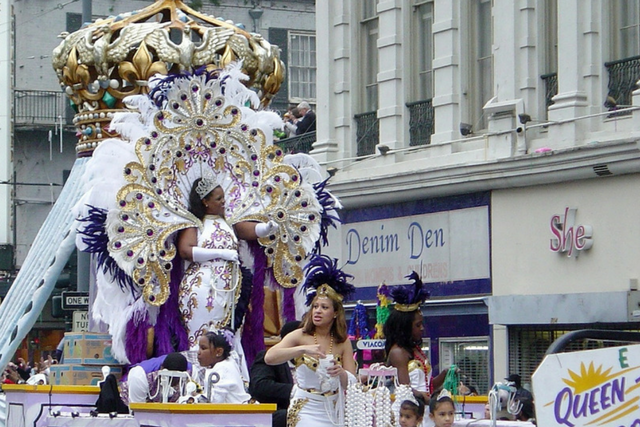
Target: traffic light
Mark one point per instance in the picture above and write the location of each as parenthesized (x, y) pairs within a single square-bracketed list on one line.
[(56, 307)]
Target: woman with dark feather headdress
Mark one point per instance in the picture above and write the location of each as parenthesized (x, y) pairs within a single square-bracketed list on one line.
[(403, 333), (321, 351)]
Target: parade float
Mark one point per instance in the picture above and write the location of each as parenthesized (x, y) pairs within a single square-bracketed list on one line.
[(138, 154), (143, 140)]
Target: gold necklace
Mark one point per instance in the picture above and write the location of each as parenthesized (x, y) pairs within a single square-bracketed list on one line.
[(315, 339)]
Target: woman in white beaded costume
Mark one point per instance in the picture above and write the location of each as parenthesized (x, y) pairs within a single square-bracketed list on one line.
[(196, 132), (211, 282), (321, 351)]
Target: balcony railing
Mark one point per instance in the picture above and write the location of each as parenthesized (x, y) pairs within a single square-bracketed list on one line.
[(623, 77), (297, 144), (40, 107), (421, 122), (367, 133), (551, 87)]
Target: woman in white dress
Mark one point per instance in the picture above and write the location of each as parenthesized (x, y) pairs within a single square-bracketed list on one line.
[(210, 286), (321, 351), (403, 332)]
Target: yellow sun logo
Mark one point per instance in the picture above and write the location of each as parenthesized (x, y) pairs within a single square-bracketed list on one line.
[(588, 378)]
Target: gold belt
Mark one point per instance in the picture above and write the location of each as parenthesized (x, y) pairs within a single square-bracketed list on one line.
[(319, 393)]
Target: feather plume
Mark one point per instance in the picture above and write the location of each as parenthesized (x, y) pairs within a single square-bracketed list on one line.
[(96, 241), (320, 270), (329, 216), (252, 333), (417, 292), (309, 168), (170, 334)]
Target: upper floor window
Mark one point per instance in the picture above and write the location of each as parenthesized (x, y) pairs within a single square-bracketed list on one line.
[(481, 66), (551, 36), (422, 50), (302, 66), (626, 34), (369, 54)]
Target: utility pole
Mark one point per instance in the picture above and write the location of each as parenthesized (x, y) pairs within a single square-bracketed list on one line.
[(84, 258)]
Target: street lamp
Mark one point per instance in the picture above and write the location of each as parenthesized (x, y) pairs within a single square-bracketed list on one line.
[(255, 14)]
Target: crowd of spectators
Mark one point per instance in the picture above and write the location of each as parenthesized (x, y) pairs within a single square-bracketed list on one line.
[(22, 372)]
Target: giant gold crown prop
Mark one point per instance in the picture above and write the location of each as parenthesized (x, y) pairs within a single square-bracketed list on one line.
[(112, 58)]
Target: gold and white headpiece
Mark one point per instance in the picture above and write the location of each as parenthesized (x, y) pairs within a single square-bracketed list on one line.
[(207, 183), (327, 291)]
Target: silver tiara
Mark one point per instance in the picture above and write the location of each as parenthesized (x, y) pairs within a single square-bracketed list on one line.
[(207, 183)]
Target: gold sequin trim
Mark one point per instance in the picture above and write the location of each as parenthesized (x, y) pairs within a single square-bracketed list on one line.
[(311, 362), (293, 414), (415, 364)]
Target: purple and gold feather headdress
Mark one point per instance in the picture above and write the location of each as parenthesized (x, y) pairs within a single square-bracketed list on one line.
[(410, 297), (323, 277)]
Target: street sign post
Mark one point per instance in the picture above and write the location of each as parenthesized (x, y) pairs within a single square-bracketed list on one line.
[(75, 300), (80, 321)]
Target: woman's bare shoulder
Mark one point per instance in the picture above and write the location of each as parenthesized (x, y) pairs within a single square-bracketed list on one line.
[(398, 354)]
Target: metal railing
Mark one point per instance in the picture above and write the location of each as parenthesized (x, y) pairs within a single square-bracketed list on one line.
[(298, 144), (39, 107), (367, 133), (421, 122), (606, 338), (623, 77), (551, 87)]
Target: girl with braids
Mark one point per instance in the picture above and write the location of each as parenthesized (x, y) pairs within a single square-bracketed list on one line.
[(403, 333), (321, 352), (222, 378)]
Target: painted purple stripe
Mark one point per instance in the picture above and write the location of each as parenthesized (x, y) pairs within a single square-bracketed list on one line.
[(440, 289), (415, 207)]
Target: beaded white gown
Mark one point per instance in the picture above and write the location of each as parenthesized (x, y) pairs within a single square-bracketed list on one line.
[(317, 400), (209, 289)]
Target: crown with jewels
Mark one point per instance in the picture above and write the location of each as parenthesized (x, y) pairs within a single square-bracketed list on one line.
[(104, 62), (207, 183)]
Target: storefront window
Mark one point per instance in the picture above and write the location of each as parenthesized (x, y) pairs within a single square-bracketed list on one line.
[(528, 344), (471, 356)]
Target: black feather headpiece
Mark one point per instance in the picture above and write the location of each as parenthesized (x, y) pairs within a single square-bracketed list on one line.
[(409, 297), (323, 277)]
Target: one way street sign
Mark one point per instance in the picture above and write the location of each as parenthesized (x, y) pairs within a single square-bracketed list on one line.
[(75, 300)]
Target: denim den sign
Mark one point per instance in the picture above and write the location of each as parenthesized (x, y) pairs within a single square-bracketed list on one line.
[(443, 247), (589, 388)]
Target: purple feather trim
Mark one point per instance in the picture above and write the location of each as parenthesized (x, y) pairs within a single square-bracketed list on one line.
[(170, 333), (288, 305), (97, 241), (322, 269), (136, 339), (253, 332), (326, 219)]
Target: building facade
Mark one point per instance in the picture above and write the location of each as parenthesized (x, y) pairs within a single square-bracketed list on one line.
[(491, 145)]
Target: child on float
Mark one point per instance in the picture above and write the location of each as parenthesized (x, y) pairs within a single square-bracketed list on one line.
[(411, 413), (222, 379), (441, 409)]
